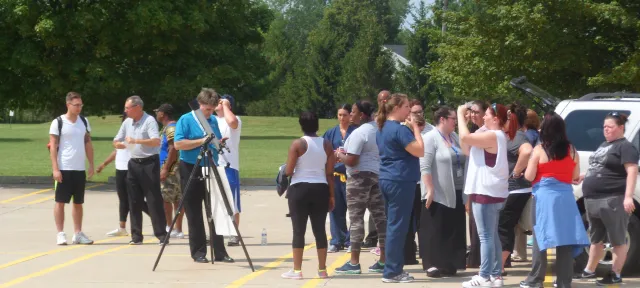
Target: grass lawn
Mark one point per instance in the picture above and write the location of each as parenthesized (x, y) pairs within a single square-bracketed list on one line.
[(263, 146)]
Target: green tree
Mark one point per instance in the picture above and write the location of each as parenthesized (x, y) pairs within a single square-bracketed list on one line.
[(567, 47), (107, 50)]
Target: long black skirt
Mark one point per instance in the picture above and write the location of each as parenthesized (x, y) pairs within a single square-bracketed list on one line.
[(442, 236)]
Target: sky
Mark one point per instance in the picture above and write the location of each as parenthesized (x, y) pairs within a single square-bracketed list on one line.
[(409, 20)]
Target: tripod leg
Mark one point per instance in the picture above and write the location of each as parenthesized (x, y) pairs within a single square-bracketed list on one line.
[(175, 218), (230, 212), (208, 211)]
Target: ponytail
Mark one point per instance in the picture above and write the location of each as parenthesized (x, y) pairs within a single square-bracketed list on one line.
[(514, 125), (387, 106)]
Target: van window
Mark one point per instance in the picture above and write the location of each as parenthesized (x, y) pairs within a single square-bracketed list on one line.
[(584, 128)]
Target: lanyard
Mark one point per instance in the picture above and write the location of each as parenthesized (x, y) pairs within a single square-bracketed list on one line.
[(452, 147)]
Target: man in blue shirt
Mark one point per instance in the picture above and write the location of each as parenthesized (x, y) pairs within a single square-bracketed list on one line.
[(188, 138)]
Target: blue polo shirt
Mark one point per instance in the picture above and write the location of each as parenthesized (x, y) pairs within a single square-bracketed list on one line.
[(395, 162), (188, 128)]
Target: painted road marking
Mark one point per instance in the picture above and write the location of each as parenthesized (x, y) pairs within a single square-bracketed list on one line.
[(65, 264), (51, 252), (40, 192), (264, 269), (330, 269)]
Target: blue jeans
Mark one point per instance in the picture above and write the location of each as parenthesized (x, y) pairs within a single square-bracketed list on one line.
[(338, 217), (486, 216), (398, 197)]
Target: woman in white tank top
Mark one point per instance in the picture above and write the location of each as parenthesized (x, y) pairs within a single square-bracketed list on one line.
[(310, 195)]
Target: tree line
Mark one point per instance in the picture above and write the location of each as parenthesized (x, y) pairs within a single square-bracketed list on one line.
[(279, 57)]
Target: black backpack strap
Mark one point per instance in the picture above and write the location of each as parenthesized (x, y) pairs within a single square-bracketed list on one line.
[(84, 120), (59, 130)]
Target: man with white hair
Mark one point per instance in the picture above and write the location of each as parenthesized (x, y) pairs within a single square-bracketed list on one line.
[(139, 133)]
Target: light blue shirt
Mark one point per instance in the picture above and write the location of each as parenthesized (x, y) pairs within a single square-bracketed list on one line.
[(188, 128)]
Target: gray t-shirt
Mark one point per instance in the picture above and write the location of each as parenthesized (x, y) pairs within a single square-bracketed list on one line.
[(521, 184), (145, 128), (362, 141)]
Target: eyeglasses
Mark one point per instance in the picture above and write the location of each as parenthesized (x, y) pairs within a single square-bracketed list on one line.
[(77, 105), (614, 114), (127, 108), (494, 107), (475, 112), (417, 112)]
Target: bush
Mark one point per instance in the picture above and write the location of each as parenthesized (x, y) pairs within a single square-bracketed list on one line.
[(264, 107)]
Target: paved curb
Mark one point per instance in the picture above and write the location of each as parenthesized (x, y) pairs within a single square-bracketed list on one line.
[(47, 180)]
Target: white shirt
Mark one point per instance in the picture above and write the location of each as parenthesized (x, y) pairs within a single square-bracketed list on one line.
[(485, 180), (71, 153), (310, 167), (122, 159), (233, 143)]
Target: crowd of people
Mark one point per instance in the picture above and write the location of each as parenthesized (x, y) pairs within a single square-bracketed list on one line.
[(489, 161), (421, 178), (152, 169)]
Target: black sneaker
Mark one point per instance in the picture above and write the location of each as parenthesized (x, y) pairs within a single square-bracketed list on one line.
[(525, 284), (609, 279), (585, 275)]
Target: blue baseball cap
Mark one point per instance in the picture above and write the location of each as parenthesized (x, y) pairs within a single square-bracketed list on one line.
[(232, 101)]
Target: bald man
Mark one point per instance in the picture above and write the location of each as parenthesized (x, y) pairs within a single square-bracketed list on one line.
[(384, 94)]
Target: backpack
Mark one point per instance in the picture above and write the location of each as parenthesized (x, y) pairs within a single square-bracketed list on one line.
[(282, 180), (59, 119)]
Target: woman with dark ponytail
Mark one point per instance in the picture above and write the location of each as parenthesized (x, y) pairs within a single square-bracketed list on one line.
[(399, 148), (338, 217)]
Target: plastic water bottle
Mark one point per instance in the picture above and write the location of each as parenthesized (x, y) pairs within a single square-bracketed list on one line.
[(264, 237)]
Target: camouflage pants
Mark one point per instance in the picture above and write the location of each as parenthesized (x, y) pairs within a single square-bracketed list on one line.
[(171, 189), (364, 193)]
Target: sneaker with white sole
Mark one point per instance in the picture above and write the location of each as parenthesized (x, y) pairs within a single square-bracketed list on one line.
[(80, 238), (118, 232), (176, 234), (292, 275), (404, 277), (61, 238), (477, 281), (376, 251), (497, 281)]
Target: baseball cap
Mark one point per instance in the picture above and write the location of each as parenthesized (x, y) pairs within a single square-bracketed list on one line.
[(232, 101), (166, 108)]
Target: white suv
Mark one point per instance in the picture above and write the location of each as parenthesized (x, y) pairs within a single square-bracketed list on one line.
[(584, 118)]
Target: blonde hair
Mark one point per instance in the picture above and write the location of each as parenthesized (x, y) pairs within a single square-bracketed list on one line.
[(395, 100)]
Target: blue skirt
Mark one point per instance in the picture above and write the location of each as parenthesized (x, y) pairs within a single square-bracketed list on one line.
[(557, 221)]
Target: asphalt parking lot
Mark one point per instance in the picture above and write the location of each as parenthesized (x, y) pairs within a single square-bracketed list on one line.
[(29, 256)]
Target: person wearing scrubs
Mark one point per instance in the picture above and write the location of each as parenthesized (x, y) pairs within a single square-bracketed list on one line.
[(338, 217), (399, 147)]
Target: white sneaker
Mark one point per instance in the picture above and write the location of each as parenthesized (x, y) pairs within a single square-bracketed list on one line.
[(497, 282), (62, 238), (118, 232), (80, 238), (477, 281), (176, 234)]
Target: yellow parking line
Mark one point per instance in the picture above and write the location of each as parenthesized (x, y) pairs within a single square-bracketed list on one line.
[(52, 196), (34, 256), (41, 200), (337, 263), (24, 196), (65, 264), (40, 192), (264, 269)]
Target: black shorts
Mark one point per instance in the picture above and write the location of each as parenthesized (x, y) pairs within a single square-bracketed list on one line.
[(72, 185)]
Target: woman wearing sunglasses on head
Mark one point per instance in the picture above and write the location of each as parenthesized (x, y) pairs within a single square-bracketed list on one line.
[(487, 187), (608, 190)]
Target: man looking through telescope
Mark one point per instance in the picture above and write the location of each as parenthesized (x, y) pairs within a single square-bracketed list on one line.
[(189, 136)]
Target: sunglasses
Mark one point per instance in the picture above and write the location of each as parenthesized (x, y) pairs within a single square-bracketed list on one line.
[(615, 114)]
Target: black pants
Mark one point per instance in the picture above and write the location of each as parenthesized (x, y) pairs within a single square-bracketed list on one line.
[(309, 201), (373, 233), (194, 197), (143, 179), (410, 247), (123, 196), (509, 218)]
